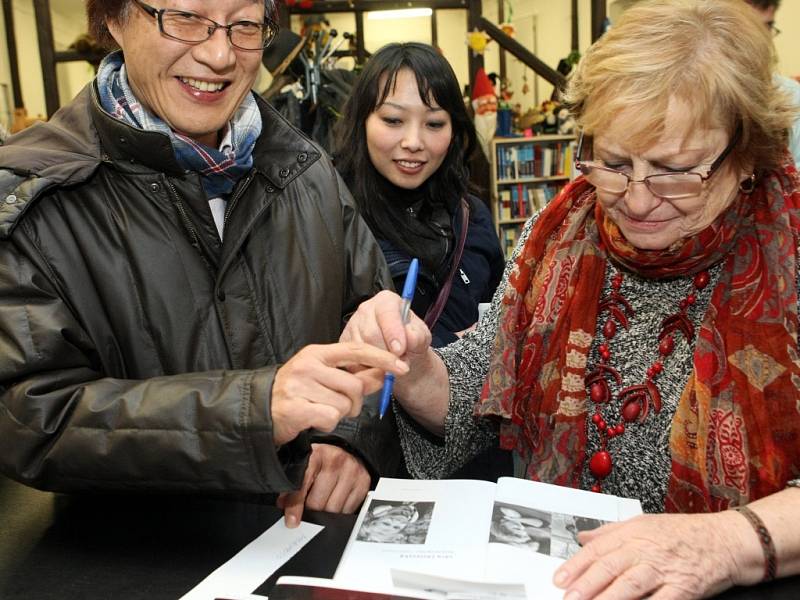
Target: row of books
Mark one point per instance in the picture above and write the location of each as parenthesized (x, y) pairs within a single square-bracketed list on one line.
[(522, 200), (509, 234), (526, 160)]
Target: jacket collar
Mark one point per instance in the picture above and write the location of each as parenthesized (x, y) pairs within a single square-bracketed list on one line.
[(281, 152), (68, 149)]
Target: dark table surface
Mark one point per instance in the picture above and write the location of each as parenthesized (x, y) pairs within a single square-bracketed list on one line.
[(159, 547)]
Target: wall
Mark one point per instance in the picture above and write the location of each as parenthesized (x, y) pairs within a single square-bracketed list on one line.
[(542, 25), (69, 21), (788, 42)]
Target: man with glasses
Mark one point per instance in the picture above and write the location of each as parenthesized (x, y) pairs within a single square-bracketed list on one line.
[(175, 261), (766, 10)]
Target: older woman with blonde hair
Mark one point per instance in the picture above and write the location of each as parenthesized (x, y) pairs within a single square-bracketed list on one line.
[(644, 341)]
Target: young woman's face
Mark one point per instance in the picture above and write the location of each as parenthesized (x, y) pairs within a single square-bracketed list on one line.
[(407, 141)]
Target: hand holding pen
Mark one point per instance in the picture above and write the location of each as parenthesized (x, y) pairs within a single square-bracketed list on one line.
[(407, 297)]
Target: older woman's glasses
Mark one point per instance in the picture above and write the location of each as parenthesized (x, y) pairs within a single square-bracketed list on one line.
[(190, 27), (671, 186)]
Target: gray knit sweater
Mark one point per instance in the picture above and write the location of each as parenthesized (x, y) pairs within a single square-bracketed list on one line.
[(641, 456)]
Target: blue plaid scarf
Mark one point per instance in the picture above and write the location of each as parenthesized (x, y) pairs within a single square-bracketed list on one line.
[(219, 169)]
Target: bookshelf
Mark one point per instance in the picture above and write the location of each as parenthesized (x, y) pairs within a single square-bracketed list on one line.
[(526, 173)]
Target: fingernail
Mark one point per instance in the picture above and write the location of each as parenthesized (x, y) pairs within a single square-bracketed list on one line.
[(573, 595), (396, 346), (291, 521), (560, 578)]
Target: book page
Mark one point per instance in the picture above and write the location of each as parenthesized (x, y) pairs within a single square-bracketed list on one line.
[(435, 527), (535, 525)]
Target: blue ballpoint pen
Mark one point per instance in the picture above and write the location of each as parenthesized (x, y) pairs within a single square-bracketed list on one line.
[(408, 295)]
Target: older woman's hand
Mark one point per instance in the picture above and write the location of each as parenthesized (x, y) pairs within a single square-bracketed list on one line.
[(424, 395), (668, 556), (378, 322)]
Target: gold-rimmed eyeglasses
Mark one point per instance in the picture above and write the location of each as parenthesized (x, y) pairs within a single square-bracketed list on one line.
[(186, 26), (671, 186)]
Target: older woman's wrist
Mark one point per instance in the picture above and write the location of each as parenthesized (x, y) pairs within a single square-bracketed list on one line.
[(424, 392), (747, 556)]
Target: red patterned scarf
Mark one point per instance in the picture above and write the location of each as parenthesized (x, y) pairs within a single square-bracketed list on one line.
[(735, 436)]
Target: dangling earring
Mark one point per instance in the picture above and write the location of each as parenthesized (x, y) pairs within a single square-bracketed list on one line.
[(748, 185)]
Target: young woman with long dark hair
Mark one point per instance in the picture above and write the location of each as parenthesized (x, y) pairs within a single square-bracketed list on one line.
[(402, 148)]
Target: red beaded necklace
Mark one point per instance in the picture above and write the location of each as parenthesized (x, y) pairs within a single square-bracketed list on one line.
[(635, 400)]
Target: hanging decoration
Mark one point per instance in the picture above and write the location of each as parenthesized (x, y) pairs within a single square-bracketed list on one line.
[(508, 29), (477, 41), (508, 25), (300, 3)]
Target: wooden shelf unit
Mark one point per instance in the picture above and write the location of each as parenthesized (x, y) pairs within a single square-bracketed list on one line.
[(526, 172)]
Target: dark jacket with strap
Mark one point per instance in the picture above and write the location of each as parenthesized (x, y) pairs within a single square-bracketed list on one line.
[(137, 349), (475, 280)]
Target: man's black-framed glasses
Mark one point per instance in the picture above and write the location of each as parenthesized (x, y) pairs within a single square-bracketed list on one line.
[(186, 26), (671, 186)]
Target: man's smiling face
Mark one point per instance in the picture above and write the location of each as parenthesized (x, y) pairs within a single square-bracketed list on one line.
[(194, 87)]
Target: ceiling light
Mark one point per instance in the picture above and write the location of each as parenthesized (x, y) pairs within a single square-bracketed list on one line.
[(405, 13)]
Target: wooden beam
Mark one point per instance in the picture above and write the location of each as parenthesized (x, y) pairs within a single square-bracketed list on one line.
[(474, 62), (598, 18), (47, 54), (434, 30), (11, 43), (361, 51), (334, 6), (575, 37), (501, 18), (539, 67)]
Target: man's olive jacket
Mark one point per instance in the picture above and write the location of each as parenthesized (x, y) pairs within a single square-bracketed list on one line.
[(137, 350)]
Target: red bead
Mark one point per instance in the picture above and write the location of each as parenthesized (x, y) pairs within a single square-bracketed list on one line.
[(651, 372), (605, 355), (683, 304), (620, 429), (601, 425), (596, 418), (691, 299), (657, 367), (598, 393), (631, 411), (666, 346), (611, 431), (609, 329), (616, 281), (603, 348), (600, 464), (701, 280), (596, 488)]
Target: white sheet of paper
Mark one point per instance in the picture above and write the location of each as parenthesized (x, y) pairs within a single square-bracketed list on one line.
[(254, 564)]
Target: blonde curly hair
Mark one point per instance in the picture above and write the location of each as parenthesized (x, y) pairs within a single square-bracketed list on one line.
[(713, 56)]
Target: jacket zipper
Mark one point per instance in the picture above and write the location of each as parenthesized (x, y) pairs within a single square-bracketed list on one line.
[(187, 224), (236, 195)]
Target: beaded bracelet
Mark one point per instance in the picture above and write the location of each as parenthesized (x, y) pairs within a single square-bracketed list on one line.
[(767, 545)]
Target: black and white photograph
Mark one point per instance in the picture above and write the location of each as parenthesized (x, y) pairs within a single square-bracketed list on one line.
[(554, 534), (393, 522), (520, 527), (564, 531)]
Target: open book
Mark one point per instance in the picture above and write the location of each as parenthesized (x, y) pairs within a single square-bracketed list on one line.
[(412, 533)]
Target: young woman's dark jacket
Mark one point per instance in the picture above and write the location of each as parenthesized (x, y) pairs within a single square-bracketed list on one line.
[(137, 350), (475, 281)]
